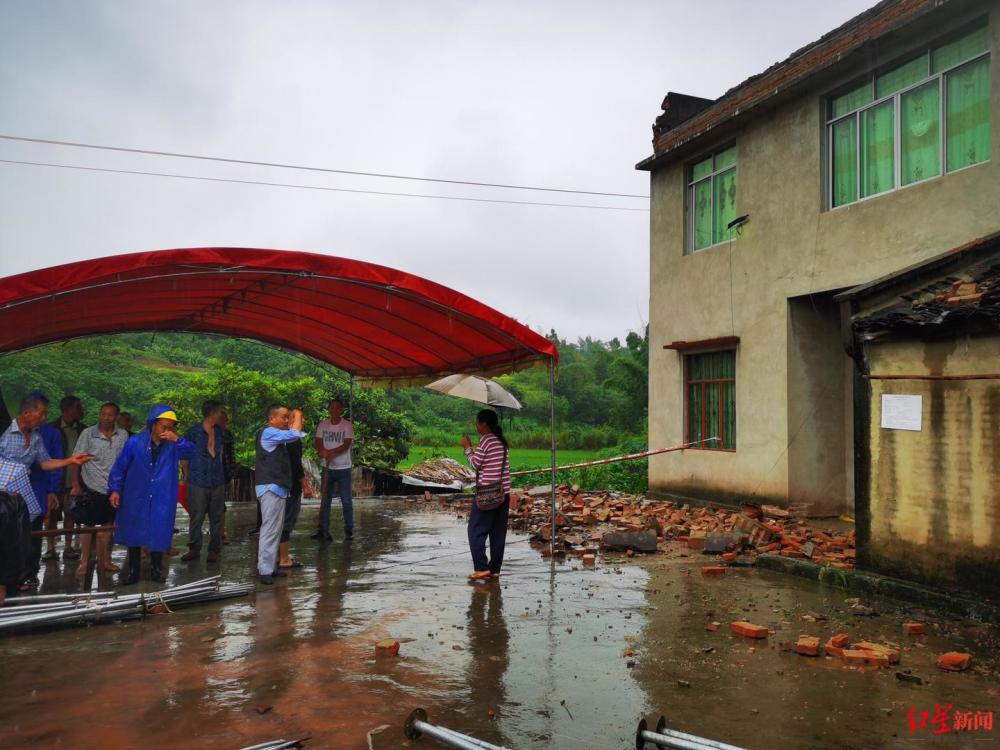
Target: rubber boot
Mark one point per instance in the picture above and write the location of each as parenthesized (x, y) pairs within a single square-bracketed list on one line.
[(156, 567), (133, 564)]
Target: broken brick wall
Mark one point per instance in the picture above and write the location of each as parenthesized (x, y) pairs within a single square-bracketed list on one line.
[(935, 493)]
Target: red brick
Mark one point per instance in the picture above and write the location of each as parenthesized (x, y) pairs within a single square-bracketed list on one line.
[(696, 542), (839, 640), (891, 653), (387, 648), (807, 645), (913, 628), (729, 556), (741, 627), (713, 570), (590, 560), (713, 626), (868, 658), (954, 661)]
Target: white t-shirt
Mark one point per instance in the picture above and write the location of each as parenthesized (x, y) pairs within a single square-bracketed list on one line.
[(333, 436)]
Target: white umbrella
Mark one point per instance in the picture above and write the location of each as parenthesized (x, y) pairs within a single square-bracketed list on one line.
[(475, 388)]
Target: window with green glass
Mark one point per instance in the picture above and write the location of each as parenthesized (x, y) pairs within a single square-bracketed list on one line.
[(912, 121), (711, 199), (710, 399)]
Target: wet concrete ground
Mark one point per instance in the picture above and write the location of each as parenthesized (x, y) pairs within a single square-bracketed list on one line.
[(535, 660)]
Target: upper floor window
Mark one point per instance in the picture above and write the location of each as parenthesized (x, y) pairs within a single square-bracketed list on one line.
[(711, 199), (903, 125)]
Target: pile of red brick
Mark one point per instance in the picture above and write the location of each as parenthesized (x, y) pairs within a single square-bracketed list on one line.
[(750, 530)]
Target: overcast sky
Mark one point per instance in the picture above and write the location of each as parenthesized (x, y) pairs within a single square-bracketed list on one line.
[(553, 94)]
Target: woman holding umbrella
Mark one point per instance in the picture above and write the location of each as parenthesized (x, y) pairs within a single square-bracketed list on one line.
[(491, 505)]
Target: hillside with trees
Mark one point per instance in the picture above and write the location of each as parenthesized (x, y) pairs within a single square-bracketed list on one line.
[(600, 395)]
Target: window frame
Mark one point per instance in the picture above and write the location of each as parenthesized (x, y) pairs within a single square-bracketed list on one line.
[(689, 186), (705, 384), (896, 97)]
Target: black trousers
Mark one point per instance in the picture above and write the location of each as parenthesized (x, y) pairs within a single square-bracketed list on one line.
[(491, 524)]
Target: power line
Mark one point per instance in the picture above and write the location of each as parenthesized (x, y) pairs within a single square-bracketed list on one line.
[(313, 187), (122, 149)]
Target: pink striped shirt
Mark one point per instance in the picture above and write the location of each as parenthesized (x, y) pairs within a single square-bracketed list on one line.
[(488, 461)]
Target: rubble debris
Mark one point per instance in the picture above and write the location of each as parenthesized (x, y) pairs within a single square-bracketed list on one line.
[(713, 626), (443, 471), (387, 648), (954, 661), (748, 629), (621, 521), (807, 645), (713, 570), (641, 541), (906, 676), (913, 628)]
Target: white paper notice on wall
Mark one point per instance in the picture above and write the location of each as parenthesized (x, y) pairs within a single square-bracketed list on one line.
[(901, 412)]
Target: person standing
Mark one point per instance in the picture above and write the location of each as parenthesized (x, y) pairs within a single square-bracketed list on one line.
[(488, 520), (16, 555), (143, 489), (22, 443), (273, 477), (334, 437), (70, 425), (105, 442), (206, 480), (228, 466), (46, 485), (125, 420), (300, 488)]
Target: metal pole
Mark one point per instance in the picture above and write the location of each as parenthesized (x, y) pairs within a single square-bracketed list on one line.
[(478, 743), (552, 431), (350, 399), (416, 725), (671, 738)]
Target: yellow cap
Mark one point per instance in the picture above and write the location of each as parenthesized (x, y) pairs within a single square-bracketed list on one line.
[(168, 414)]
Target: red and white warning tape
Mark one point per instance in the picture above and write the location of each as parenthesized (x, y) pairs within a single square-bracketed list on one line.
[(614, 459)]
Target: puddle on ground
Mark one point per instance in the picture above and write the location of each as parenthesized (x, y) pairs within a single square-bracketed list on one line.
[(534, 660)]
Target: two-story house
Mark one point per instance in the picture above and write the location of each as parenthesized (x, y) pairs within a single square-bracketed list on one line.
[(866, 152)]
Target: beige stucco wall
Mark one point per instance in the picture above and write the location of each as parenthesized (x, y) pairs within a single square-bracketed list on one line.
[(791, 247), (935, 498)]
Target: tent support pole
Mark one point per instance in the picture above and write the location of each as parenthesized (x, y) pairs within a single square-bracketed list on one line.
[(350, 399), (552, 434)]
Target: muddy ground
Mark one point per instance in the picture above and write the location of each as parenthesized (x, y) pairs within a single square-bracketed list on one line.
[(537, 659)]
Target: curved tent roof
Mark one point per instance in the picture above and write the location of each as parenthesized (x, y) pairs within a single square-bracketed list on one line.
[(374, 322)]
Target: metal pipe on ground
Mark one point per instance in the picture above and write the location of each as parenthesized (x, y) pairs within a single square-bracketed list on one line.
[(416, 725), (664, 737)]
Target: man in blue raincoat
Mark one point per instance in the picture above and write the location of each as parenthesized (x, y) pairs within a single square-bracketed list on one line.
[(143, 487)]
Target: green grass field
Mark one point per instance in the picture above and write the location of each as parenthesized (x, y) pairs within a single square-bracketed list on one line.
[(520, 458)]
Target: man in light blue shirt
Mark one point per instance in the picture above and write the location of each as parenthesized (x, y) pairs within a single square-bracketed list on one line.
[(273, 472)]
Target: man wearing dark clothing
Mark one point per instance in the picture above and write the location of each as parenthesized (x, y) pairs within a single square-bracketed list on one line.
[(300, 489), (206, 479)]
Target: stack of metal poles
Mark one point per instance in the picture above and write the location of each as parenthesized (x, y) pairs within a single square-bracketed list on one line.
[(23, 614)]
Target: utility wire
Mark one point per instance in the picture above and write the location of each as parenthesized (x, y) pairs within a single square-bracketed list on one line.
[(312, 187), (122, 149)]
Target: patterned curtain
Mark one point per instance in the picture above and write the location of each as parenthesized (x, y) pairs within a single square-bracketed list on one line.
[(877, 149), (968, 114), (920, 115)]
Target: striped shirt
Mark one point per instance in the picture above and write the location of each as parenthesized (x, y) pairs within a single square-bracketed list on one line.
[(14, 479), (489, 461)]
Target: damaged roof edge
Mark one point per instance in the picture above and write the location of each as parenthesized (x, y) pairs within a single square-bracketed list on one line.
[(939, 265), (790, 74)]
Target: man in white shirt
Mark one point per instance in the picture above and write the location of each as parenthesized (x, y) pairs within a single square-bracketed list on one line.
[(334, 437)]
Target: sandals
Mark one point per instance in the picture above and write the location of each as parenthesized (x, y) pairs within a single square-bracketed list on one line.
[(479, 575), (292, 564), (50, 555)]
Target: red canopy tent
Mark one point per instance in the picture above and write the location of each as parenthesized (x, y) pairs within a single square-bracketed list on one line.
[(384, 326), (374, 322)]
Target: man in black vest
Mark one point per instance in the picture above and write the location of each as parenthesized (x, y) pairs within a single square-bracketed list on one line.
[(273, 482)]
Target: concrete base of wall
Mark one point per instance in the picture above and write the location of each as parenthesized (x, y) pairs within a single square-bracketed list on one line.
[(865, 582)]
